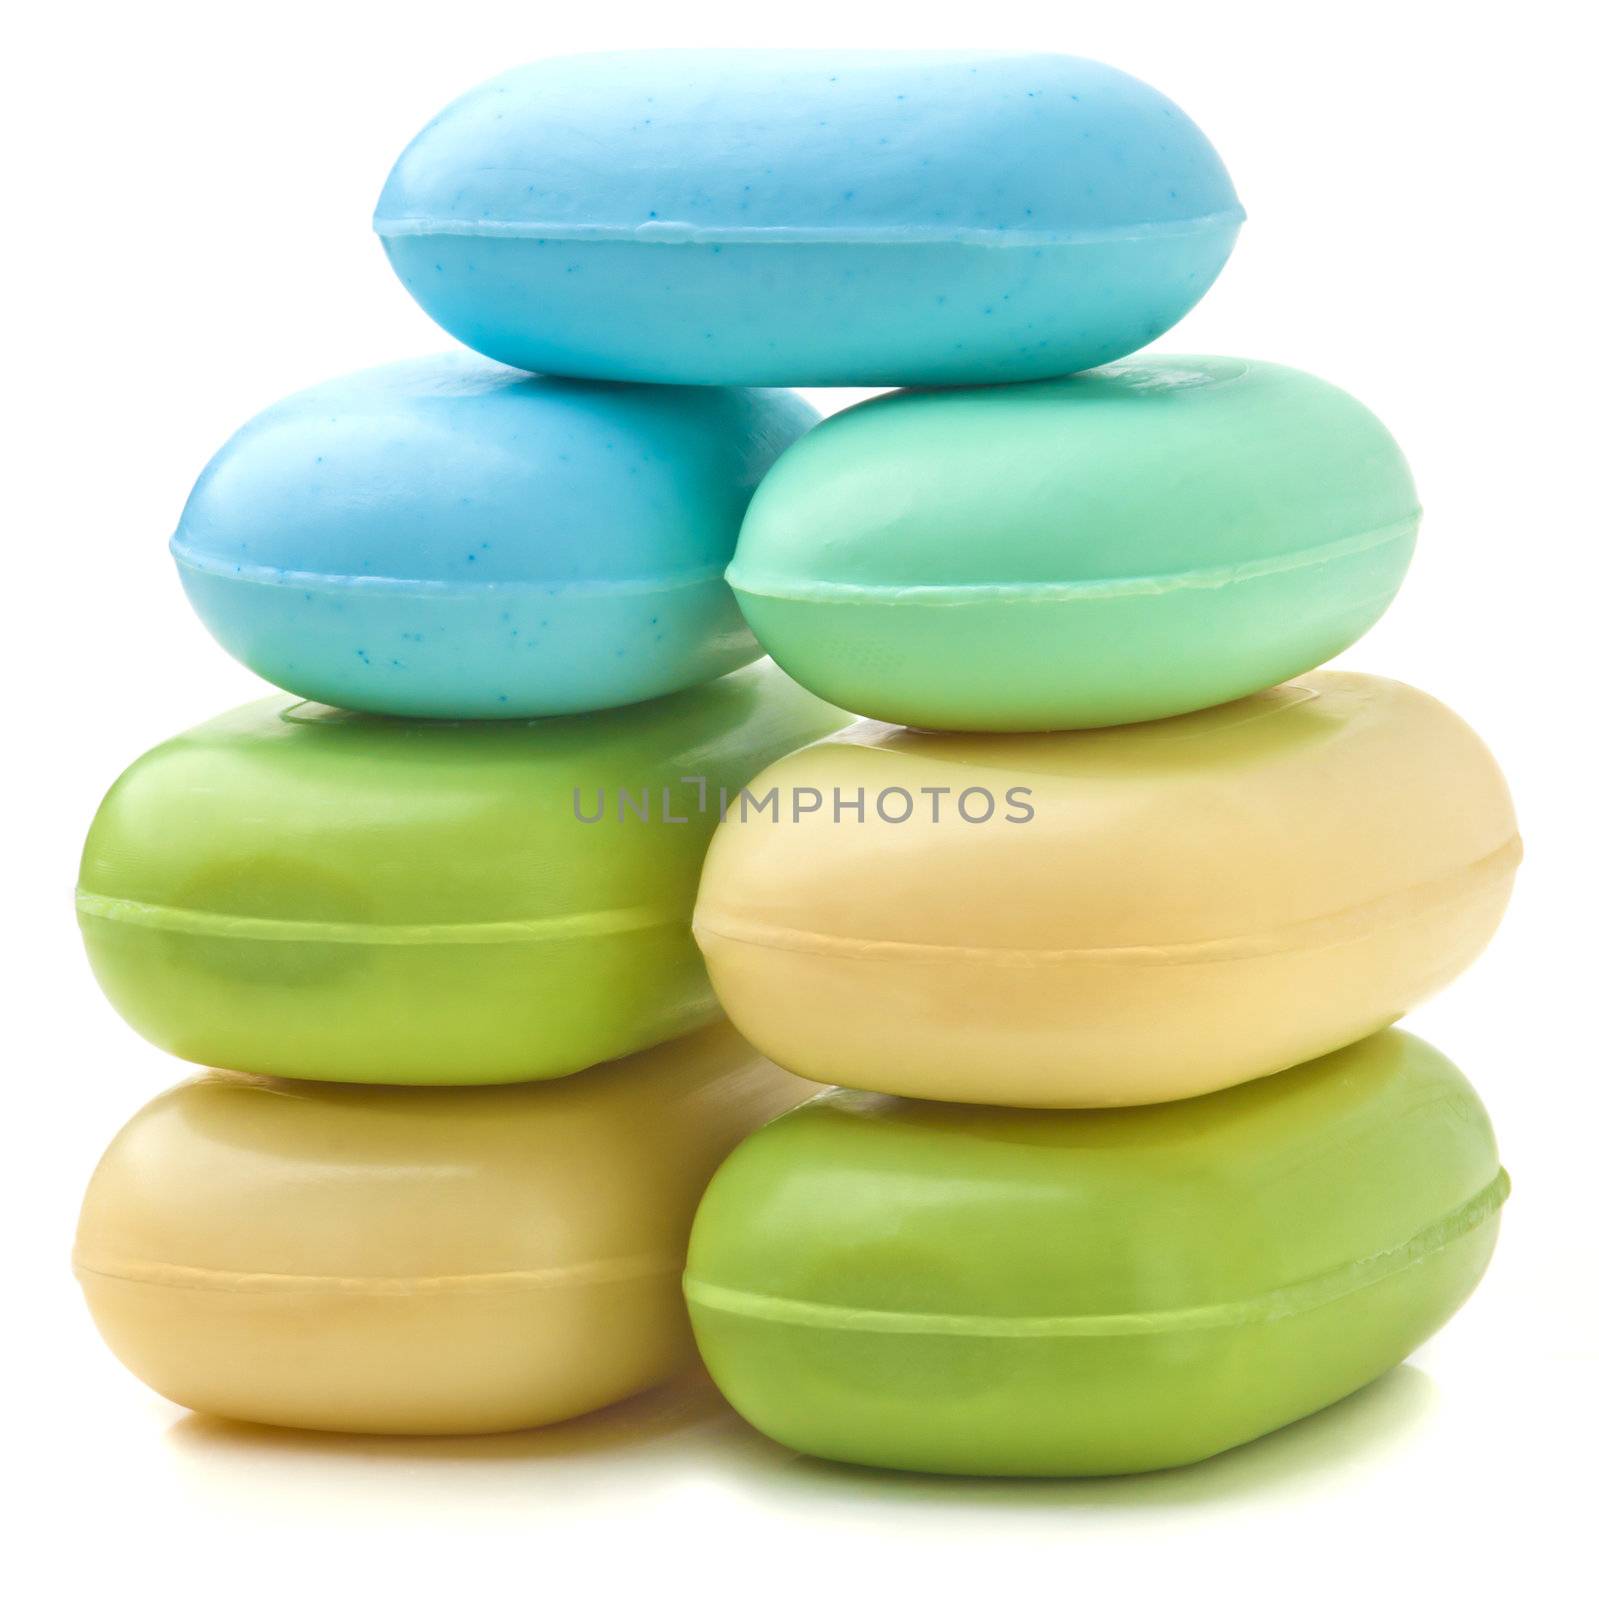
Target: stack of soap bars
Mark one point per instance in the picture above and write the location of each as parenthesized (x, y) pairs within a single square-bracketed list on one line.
[(506, 931)]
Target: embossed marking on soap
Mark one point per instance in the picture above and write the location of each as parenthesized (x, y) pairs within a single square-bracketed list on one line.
[(688, 797)]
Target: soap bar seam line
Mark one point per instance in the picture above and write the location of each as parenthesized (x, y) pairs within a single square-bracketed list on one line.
[(1275, 1305), (829, 592), (659, 231), (1493, 869), (227, 925), (288, 578), (171, 1275)]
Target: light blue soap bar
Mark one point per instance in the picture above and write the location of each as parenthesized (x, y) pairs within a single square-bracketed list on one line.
[(809, 217), (450, 538)]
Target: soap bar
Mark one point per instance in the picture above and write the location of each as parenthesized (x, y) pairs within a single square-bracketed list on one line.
[(1107, 917), (809, 217), (415, 1260), (322, 894), (1056, 1293), (449, 538), (1148, 539)]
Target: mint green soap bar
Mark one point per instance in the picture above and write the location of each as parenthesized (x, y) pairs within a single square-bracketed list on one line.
[(1139, 541), (961, 1289)]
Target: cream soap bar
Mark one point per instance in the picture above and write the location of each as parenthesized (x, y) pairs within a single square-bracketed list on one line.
[(386, 1260), (1109, 917)]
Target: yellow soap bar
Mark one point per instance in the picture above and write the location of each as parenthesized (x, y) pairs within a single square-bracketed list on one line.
[(406, 1260), (1113, 916)]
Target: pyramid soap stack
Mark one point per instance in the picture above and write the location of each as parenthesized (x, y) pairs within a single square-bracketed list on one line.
[(1099, 922)]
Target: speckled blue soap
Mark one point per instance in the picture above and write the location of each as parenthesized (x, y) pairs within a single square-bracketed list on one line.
[(448, 537), (809, 217)]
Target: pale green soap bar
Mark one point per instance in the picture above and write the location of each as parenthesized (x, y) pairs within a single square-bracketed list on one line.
[(1139, 541), (968, 1289), (312, 893)]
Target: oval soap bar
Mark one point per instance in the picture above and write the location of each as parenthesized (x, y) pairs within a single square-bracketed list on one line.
[(809, 217), (448, 538), (323, 894), (971, 1290), (1155, 537), (1107, 917), (415, 1260)]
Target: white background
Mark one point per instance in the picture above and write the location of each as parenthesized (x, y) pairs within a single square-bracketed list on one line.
[(188, 202)]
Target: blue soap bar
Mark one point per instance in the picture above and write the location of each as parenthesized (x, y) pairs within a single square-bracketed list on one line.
[(809, 217), (449, 538)]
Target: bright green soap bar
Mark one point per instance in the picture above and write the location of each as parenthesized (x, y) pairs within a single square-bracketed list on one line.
[(961, 1289), (1146, 539), (313, 893)]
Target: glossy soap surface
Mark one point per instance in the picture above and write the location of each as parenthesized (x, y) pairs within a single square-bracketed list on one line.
[(1184, 904), (414, 1260), (809, 217), (1161, 535), (446, 537), (313, 893), (971, 1290)]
